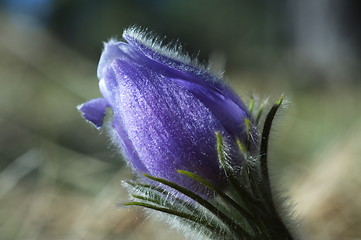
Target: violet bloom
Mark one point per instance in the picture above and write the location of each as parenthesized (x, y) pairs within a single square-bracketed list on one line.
[(166, 110)]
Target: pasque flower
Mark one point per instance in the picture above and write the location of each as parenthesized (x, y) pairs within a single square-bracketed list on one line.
[(166, 111), (187, 135)]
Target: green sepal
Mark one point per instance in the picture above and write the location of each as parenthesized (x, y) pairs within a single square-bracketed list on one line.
[(247, 217), (183, 215), (232, 226)]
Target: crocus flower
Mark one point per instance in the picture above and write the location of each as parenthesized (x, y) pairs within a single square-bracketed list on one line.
[(166, 111)]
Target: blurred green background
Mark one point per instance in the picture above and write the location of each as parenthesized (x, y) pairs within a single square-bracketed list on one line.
[(60, 179)]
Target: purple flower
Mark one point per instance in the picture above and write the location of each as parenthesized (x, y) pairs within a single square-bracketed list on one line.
[(166, 110)]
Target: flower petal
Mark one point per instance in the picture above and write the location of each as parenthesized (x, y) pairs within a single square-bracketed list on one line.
[(94, 111), (169, 127), (216, 96), (182, 69), (223, 108), (169, 56), (117, 50), (121, 138)]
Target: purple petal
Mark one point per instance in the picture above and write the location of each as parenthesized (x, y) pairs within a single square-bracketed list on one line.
[(223, 108), (222, 102), (94, 111), (169, 127), (126, 145), (116, 50), (169, 57), (181, 70)]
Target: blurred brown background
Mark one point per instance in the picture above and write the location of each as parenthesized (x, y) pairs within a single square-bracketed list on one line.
[(59, 179)]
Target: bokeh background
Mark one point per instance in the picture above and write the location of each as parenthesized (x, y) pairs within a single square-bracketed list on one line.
[(60, 179)]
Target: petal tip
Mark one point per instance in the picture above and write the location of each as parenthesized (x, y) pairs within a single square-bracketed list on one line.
[(94, 111)]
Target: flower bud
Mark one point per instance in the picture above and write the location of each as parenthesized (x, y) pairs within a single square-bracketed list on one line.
[(166, 111)]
